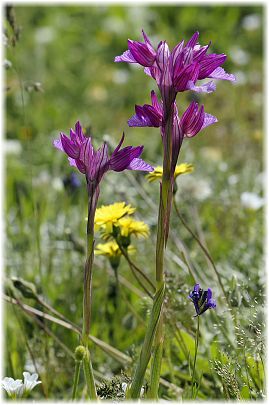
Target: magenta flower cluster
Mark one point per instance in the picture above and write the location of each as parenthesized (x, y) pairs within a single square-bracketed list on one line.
[(175, 72), (94, 164)]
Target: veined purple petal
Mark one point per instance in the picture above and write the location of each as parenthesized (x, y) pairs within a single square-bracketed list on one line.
[(204, 88), (140, 164), (162, 55), (176, 52), (193, 40), (58, 144), (142, 53), (189, 73), (147, 115), (192, 120), (148, 42), (87, 154), (120, 143), (200, 51), (220, 74), (78, 164), (125, 57), (80, 136), (177, 138), (209, 120), (209, 63), (100, 163), (155, 103), (121, 160), (70, 148)]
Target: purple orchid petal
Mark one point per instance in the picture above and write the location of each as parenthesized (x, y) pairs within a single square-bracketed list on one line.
[(147, 115), (58, 144), (139, 164), (204, 88), (177, 52), (155, 102), (192, 120), (193, 40), (148, 42), (80, 136), (70, 147), (189, 73), (121, 160), (142, 53), (78, 164), (220, 74), (125, 57), (209, 120), (120, 143), (209, 63), (87, 153), (162, 55), (177, 138)]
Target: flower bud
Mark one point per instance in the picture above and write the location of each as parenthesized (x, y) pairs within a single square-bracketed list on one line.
[(80, 353)]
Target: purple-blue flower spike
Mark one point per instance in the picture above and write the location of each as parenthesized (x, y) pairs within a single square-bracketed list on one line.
[(201, 299), (94, 164)]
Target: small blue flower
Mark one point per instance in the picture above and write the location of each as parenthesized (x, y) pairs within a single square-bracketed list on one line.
[(201, 299)]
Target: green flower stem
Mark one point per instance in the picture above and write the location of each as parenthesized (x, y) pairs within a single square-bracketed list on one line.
[(156, 370), (166, 194), (195, 356), (134, 391), (76, 378), (87, 295), (88, 372)]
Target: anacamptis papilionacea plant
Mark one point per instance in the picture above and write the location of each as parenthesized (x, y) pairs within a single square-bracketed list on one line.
[(174, 71)]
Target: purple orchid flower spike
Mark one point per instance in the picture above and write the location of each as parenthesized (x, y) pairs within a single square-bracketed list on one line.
[(94, 164), (180, 69), (201, 299)]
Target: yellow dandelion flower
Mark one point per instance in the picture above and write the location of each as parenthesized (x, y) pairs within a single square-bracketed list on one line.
[(129, 226), (183, 168), (108, 215), (111, 250)]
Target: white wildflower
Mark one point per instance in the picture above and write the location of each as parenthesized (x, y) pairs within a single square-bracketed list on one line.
[(30, 381), (14, 388)]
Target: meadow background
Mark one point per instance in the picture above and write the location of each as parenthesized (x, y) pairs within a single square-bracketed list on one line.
[(59, 68)]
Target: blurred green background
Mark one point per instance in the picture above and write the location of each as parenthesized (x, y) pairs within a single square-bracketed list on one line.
[(60, 68)]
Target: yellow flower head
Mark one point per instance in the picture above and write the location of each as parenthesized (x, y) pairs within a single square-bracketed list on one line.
[(129, 226), (109, 215), (183, 168), (111, 250)]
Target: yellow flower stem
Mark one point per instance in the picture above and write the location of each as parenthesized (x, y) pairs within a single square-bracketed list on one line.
[(135, 269)]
